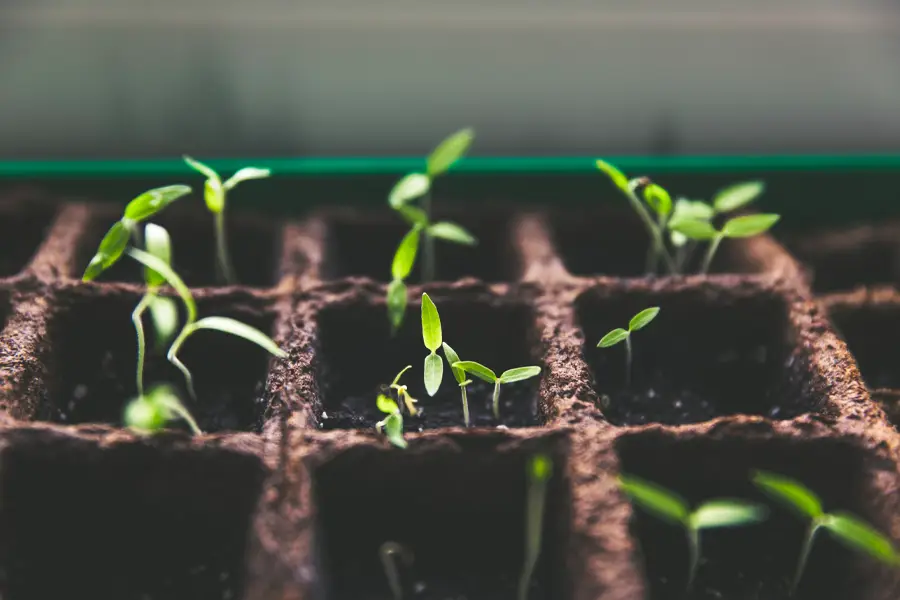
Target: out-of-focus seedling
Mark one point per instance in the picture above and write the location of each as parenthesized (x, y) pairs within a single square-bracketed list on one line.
[(460, 376), (670, 507), (431, 335), (152, 411), (846, 528), (392, 424), (539, 471), (616, 336), (389, 553), (214, 192), (738, 227), (485, 374)]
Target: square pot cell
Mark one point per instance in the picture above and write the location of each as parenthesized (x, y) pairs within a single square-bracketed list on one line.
[(93, 355), (358, 358), (364, 246), (871, 332), (710, 352), (127, 522), (755, 561), (23, 228), (460, 512)]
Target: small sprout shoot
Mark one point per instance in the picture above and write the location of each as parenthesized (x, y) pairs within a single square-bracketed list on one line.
[(686, 209), (738, 227), (388, 553), (638, 321), (540, 469), (214, 192), (848, 529), (403, 393), (485, 374), (460, 376), (152, 411), (670, 507), (431, 335), (392, 424)]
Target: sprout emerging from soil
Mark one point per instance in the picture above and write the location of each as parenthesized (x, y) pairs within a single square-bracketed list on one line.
[(738, 227), (485, 374), (460, 376), (431, 335), (214, 192), (392, 424), (540, 469), (152, 411), (388, 553), (192, 325), (668, 506), (616, 336), (848, 529)]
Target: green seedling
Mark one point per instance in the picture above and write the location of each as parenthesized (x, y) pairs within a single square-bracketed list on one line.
[(460, 376), (389, 552), (115, 242), (738, 227), (214, 193), (669, 507), (152, 411), (616, 336), (392, 424), (193, 325), (431, 335), (540, 469), (485, 374), (848, 529)]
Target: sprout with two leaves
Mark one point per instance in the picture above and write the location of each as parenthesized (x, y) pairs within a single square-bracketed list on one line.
[(460, 376), (616, 336), (214, 192), (539, 471), (508, 376), (669, 507), (433, 338), (151, 412), (738, 227), (392, 424)]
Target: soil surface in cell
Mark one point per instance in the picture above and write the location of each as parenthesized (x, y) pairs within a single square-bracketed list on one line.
[(440, 588), (20, 236)]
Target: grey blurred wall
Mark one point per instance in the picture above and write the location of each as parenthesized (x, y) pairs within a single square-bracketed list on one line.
[(140, 77)]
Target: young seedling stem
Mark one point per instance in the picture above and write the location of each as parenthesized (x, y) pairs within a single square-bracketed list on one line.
[(460, 376), (151, 412), (540, 469), (616, 336), (485, 374), (428, 254), (390, 553)]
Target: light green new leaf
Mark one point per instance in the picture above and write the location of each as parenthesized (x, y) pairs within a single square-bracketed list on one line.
[(658, 199), (452, 233), (612, 338), (449, 151), (396, 303), (413, 215), (144, 415), (452, 358), (158, 243), (738, 195), (112, 246), (789, 492), (519, 374), (164, 315), (643, 318), (727, 513), (617, 176), (393, 430), (656, 499), (749, 225), (540, 468), (412, 186), (478, 370), (241, 330), (400, 374), (386, 404), (434, 373), (859, 535), (202, 168), (405, 257), (171, 277), (214, 196), (696, 210), (152, 201), (431, 325), (694, 229), (246, 174)]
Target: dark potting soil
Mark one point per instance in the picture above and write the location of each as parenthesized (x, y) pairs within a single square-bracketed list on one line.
[(470, 587), (870, 332), (21, 233)]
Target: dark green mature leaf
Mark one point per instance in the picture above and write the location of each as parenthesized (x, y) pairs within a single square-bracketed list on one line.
[(658, 199), (449, 151), (164, 315), (615, 175), (750, 225), (246, 174), (410, 187), (171, 277), (158, 243), (151, 202), (478, 370), (452, 357), (405, 257), (859, 535), (519, 374), (111, 249), (612, 338), (396, 303), (241, 330), (656, 499), (694, 229), (789, 492), (393, 430), (727, 513), (386, 404), (434, 373), (738, 195), (431, 325), (643, 318), (540, 468), (452, 233)]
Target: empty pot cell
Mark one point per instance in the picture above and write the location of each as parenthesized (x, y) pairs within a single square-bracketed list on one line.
[(871, 331), (458, 509), (22, 230), (127, 522), (359, 358), (93, 358), (710, 352), (760, 560), (364, 246)]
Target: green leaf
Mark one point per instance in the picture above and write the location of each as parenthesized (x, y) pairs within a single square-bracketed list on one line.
[(478, 370), (519, 374), (696, 210), (789, 492), (400, 374), (616, 175), (214, 195), (158, 243), (145, 416), (246, 174), (694, 229), (643, 318), (413, 215), (405, 257), (431, 324), (452, 233), (434, 373), (172, 278), (412, 186), (241, 330), (737, 195), (386, 404), (111, 249), (612, 338), (151, 202), (859, 535), (452, 357), (654, 498), (749, 225), (658, 199), (164, 315), (202, 168), (540, 468), (727, 513), (396, 303), (393, 430), (449, 151)]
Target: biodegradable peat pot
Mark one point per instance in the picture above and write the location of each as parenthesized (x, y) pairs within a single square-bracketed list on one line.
[(292, 492)]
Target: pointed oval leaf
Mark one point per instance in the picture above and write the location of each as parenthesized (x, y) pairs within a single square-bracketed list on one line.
[(152, 201), (663, 503), (386, 404), (214, 196), (112, 246), (789, 492), (519, 374), (246, 174), (434, 373), (410, 187), (144, 415), (452, 233), (478, 370), (540, 468), (694, 229), (393, 430), (449, 151), (612, 338), (749, 225), (400, 374), (241, 330), (201, 168), (617, 176), (452, 357), (658, 199), (727, 513), (431, 324), (859, 535), (164, 315), (405, 257), (158, 243), (696, 210), (396, 303), (738, 195), (171, 277), (643, 318)]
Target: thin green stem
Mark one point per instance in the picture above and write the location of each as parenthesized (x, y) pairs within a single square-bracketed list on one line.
[(497, 399), (465, 403), (226, 270), (389, 552), (136, 317), (182, 412), (172, 356), (652, 253), (628, 360), (804, 554), (655, 234), (693, 537), (429, 267), (710, 253), (534, 521)]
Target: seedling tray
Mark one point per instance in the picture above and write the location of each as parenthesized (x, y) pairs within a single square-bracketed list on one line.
[(292, 492)]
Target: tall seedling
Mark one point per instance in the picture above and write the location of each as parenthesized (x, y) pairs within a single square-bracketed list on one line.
[(431, 335), (539, 471), (460, 376), (509, 376)]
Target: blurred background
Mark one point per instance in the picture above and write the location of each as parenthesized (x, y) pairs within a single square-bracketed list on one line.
[(135, 78)]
